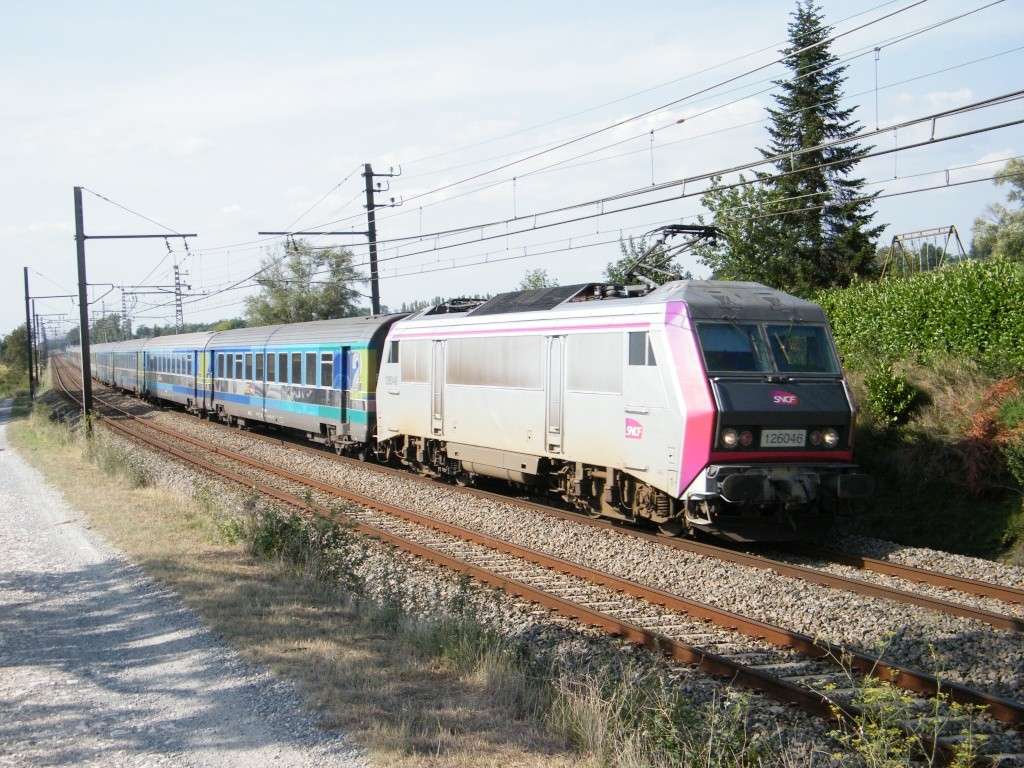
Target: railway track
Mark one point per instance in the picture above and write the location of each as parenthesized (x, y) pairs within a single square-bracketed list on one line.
[(787, 665), (910, 574)]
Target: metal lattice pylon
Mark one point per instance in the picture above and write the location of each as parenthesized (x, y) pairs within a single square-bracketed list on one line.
[(923, 250), (179, 313)]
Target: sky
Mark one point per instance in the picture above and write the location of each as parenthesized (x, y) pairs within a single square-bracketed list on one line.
[(227, 118)]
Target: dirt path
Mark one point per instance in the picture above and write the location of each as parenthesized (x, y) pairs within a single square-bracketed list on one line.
[(99, 665)]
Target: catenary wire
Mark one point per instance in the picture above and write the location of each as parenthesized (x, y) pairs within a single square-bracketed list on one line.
[(1005, 98), (859, 52), (619, 100)]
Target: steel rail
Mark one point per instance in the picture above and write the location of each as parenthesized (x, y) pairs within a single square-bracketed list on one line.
[(921, 575), (711, 663), (1002, 708), (729, 554)]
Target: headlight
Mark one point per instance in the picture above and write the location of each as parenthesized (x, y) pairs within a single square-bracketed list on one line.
[(730, 438), (816, 439), (831, 438), (746, 438)]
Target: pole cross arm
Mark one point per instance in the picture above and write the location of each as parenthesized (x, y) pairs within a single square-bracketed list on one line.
[(314, 232), (138, 237)]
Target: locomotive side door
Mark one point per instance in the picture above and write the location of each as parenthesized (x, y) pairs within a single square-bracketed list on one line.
[(437, 378), (554, 393), (646, 416)]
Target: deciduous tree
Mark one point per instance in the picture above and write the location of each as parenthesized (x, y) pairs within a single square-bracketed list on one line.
[(300, 283)]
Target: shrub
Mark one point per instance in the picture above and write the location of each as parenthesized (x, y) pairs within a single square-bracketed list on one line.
[(891, 398), (1013, 452), (973, 310)]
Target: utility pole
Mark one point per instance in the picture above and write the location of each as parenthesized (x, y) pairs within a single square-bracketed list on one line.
[(83, 311), (370, 233), (83, 296), (37, 339), (126, 324), (44, 351), (28, 341), (179, 314)]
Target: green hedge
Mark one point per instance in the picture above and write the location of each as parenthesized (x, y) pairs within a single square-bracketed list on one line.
[(974, 309)]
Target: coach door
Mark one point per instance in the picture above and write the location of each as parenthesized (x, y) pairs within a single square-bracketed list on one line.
[(555, 393), (437, 377), (347, 375)]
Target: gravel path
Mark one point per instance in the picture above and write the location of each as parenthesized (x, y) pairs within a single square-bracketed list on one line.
[(99, 665)]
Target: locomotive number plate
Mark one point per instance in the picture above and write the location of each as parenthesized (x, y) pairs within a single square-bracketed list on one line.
[(783, 438)]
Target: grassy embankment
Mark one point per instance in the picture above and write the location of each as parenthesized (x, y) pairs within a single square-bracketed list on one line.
[(937, 363), (444, 691)]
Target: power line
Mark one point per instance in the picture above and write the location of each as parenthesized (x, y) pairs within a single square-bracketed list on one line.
[(621, 99), (488, 257), (129, 210), (884, 43), (982, 104), (843, 59), (857, 53), (761, 216), (674, 102), (560, 165)]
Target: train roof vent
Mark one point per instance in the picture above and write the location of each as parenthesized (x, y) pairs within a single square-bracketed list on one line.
[(536, 300), (452, 306)]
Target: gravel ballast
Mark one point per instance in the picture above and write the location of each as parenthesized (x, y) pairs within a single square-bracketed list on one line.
[(955, 648), (425, 590)]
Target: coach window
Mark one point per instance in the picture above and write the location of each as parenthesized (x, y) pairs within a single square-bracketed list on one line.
[(248, 366), (188, 365), (393, 352), (296, 367), (640, 350), (311, 369), (271, 366), (326, 370), (239, 362), (259, 366), (220, 365), (282, 367)]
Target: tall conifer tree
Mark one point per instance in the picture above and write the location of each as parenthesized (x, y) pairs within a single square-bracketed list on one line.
[(829, 244)]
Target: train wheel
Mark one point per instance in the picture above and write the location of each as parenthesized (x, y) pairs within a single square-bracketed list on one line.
[(671, 528)]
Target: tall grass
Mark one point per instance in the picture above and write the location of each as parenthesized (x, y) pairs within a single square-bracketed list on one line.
[(620, 715)]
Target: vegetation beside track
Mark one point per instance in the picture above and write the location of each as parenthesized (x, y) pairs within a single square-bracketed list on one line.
[(414, 688), (937, 363)]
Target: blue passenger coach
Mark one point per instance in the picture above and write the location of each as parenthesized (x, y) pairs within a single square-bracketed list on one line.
[(318, 377)]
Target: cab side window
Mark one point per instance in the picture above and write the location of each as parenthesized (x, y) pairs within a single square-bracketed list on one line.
[(640, 350)]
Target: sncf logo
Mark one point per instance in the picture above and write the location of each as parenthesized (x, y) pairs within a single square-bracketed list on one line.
[(634, 430), (781, 397)]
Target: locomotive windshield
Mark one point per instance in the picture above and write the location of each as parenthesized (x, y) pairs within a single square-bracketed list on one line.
[(765, 348)]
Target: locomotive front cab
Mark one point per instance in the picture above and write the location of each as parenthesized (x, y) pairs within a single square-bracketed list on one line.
[(782, 446)]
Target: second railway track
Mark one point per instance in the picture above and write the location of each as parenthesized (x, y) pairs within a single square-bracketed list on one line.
[(949, 583)]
